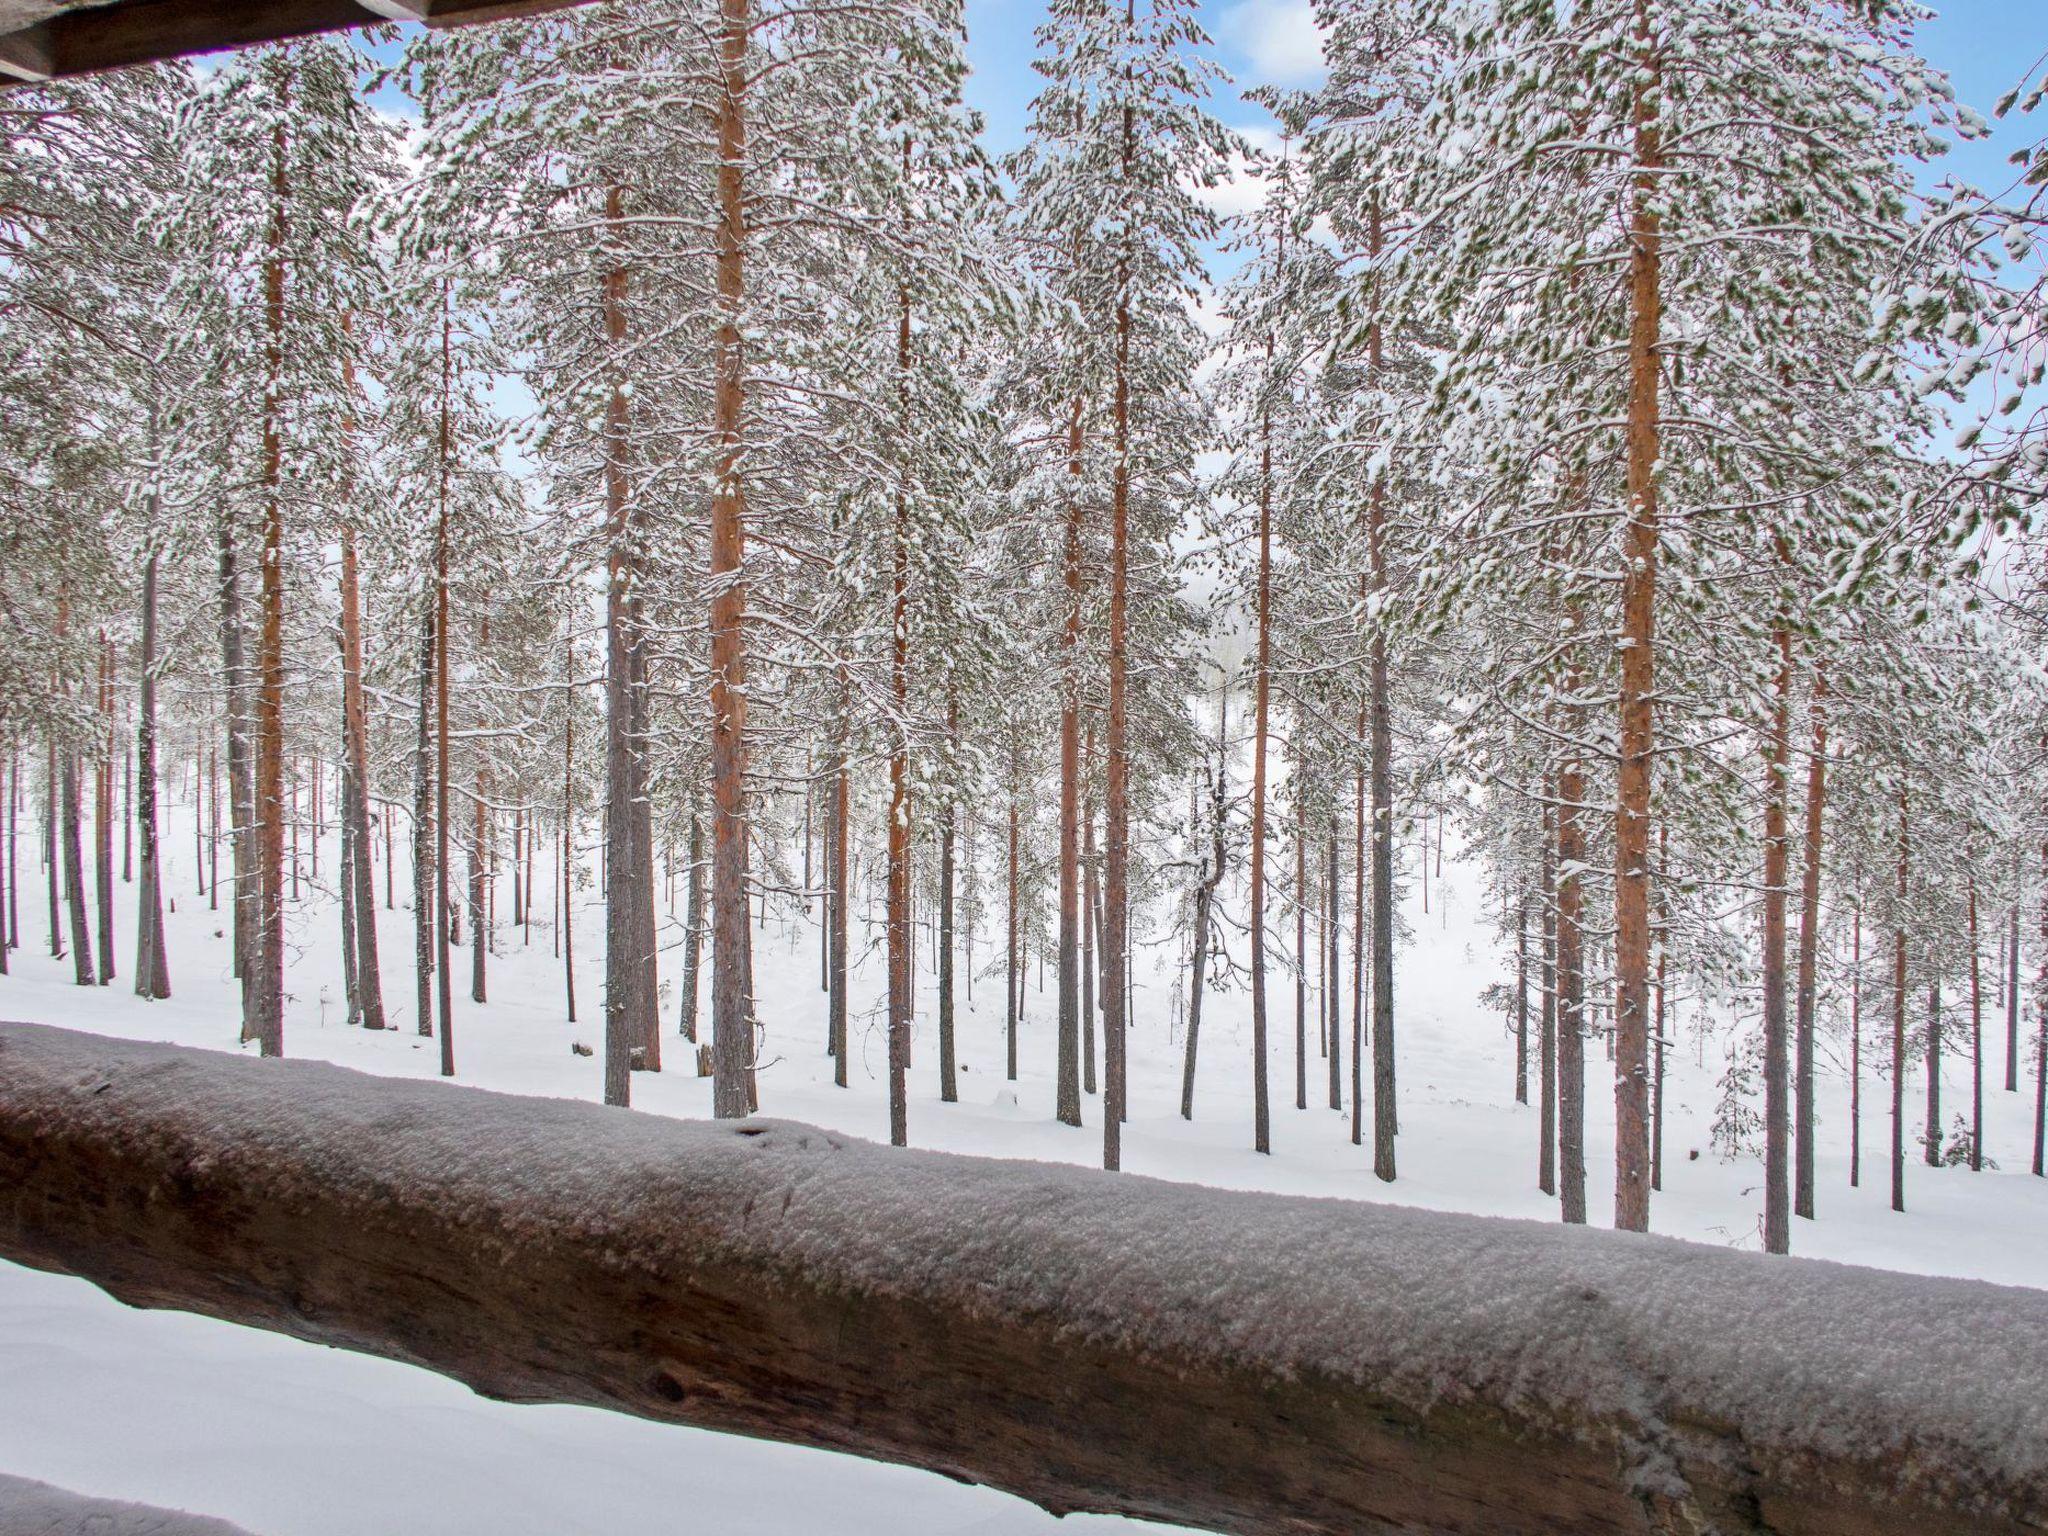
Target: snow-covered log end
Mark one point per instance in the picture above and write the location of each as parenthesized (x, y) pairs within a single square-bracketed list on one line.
[(1242, 1362), (29, 1508)]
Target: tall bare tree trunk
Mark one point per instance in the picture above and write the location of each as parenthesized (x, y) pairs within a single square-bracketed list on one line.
[(901, 942), (1856, 1046), (265, 998), (567, 926), (1976, 1043), (1262, 684), (1091, 916), (631, 1027), (1809, 954), (693, 925), (842, 889), (2012, 997), (1930, 1142), (1381, 749), (359, 894), (444, 638), (1333, 997), (1068, 1093), (732, 1043), (1205, 900), (1638, 619), (1899, 1023), (152, 963), (1571, 1034), (1522, 1002), (1301, 889), (949, 1082), (103, 812), (426, 948), (1358, 940), (1777, 1118), (1014, 1003)]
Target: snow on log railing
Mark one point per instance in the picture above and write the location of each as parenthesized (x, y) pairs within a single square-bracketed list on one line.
[(1089, 1341)]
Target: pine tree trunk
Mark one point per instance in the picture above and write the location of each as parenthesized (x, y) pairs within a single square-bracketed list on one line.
[(1205, 900), (1116, 978), (444, 636), (1262, 1127), (949, 1082), (1809, 955), (1301, 889), (1856, 1047), (1358, 940), (152, 963), (479, 916), (693, 926), (1899, 1023), (629, 1006), (1091, 918), (1334, 996), (1067, 1102), (1522, 1002), (2012, 997), (1638, 611), (1015, 1001), (103, 814), (900, 939), (1381, 747), (359, 893), (732, 1045), (74, 872), (426, 949), (1777, 1119), (1930, 1143), (266, 993), (842, 892), (1571, 1038), (1976, 1043)]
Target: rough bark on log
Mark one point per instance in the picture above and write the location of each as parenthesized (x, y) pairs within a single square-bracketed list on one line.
[(1244, 1362)]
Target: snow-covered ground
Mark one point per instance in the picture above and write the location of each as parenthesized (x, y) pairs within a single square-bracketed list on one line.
[(288, 1439)]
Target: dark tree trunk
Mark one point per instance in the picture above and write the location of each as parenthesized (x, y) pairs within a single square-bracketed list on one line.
[(1116, 835), (1205, 898), (1777, 1117), (1635, 722), (152, 963), (266, 994), (732, 1036), (842, 894), (103, 814), (1899, 1023), (1301, 889), (2012, 996), (1856, 1047), (1930, 1143), (1015, 1000), (426, 948), (1546, 1157), (1976, 1044), (74, 872), (444, 637), (1571, 1037), (1067, 1100), (693, 926), (1809, 955), (1091, 922), (1522, 1002), (1333, 994), (359, 891), (900, 940)]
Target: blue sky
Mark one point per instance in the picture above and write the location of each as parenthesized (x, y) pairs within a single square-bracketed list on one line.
[(1983, 45)]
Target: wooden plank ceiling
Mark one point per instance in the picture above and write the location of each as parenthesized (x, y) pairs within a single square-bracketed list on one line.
[(52, 39)]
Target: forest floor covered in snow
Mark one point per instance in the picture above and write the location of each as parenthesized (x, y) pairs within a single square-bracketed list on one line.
[(287, 1439)]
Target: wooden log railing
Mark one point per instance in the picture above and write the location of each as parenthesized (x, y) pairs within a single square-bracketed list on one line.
[(1239, 1362)]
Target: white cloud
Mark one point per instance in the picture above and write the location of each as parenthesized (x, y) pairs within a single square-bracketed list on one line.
[(1279, 38)]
